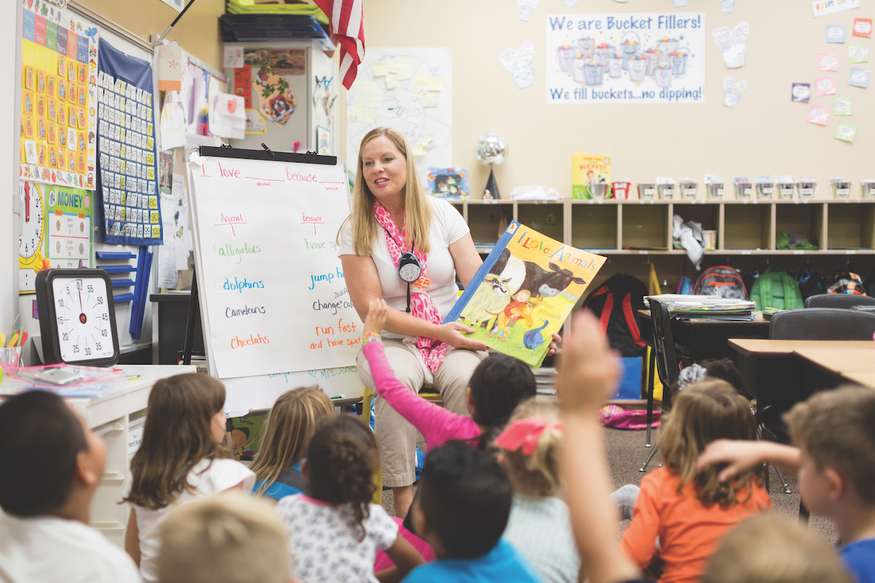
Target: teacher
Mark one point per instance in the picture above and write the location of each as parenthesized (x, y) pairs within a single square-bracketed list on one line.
[(408, 248)]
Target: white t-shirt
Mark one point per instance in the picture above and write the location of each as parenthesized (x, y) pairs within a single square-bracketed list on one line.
[(324, 544), (540, 530), (206, 479), (447, 227), (48, 549)]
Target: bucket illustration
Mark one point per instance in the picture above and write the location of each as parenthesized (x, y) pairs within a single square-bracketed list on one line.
[(578, 71), (663, 76), (667, 45), (679, 63), (630, 47), (593, 73), (586, 45), (603, 53), (615, 66), (565, 55), (651, 56), (637, 69)]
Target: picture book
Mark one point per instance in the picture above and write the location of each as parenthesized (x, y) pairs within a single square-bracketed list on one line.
[(449, 183), (590, 176), (523, 292)]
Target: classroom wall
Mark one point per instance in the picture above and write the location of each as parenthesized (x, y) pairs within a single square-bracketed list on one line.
[(197, 32), (765, 135), (8, 162)]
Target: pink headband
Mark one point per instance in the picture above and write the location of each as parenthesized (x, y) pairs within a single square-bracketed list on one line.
[(523, 435)]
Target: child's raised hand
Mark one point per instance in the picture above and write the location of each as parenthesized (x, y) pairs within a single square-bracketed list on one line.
[(739, 456), (378, 313), (588, 371)]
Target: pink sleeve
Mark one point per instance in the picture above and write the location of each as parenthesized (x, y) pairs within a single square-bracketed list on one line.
[(436, 424)]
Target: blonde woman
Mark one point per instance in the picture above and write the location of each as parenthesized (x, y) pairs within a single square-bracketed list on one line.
[(290, 425), (396, 234)]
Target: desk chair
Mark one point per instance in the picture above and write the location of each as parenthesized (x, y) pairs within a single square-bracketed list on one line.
[(665, 354), (822, 324), (841, 301)]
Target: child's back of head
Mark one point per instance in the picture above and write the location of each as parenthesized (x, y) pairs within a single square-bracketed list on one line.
[(464, 501), (702, 413), (836, 429), (184, 425), (341, 461), (41, 440), (771, 548), (498, 385), (230, 538), (529, 447), (290, 426)]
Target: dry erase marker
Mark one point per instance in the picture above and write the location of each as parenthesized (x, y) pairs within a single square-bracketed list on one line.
[(23, 339), (2, 339), (13, 340)]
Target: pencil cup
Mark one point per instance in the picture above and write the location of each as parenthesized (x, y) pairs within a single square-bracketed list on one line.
[(10, 357)]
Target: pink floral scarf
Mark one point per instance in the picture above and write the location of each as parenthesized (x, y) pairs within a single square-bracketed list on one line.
[(432, 351)]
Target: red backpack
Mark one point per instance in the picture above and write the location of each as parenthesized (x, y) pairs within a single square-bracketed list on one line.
[(723, 281), (616, 303)]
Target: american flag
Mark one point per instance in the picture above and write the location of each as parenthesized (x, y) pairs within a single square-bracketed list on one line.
[(348, 29)]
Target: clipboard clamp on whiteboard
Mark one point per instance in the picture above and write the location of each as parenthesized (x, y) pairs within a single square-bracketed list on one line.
[(267, 154)]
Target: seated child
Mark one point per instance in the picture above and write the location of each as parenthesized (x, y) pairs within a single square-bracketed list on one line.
[(52, 464), (336, 531), (688, 510), (232, 538), (462, 509), (834, 452), (179, 459), (497, 386), (290, 425), (771, 548), (539, 526)]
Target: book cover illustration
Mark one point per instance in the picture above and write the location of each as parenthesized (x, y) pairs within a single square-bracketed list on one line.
[(590, 176), (449, 183), (524, 291)]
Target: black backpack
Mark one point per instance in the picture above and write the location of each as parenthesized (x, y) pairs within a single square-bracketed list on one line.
[(810, 283), (616, 303)]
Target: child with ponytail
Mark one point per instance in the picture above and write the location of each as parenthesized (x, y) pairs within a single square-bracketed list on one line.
[(336, 530)]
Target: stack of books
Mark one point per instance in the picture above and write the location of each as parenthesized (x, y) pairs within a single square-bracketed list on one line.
[(688, 307)]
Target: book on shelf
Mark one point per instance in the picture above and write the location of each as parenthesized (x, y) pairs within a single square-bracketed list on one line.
[(523, 292)]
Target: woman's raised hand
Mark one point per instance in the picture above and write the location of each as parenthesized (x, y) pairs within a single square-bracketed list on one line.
[(453, 334), (378, 312)]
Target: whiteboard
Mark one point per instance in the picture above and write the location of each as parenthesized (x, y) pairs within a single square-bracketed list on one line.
[(274, 305)]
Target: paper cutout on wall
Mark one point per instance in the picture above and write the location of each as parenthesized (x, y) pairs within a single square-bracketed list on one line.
[(800, 92), (727, 6), (732, 90), (842, 107), (172, 122), (859, 77), (570, 3), (526, 8), (194, 97), (835, 34), (232, 56), (58, 98), (858, 54), (828, 63), (170, 59), (824, 7), (818, 116), (845, 133), (862, 27), (271, 69), (227, 116), (520, 63), (732, 43), (825, 86)]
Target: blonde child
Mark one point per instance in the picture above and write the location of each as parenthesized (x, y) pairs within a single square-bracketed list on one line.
[(336, 530), (539, 525), (687, 509), (771, 548), (179, 460), (834, 452), (290, 425)]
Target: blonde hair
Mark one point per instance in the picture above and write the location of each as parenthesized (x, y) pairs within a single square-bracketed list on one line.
[(536, 475), (290, 425), (770, 548), (417, 210), (227, 538), (837, 429), (704, 412)]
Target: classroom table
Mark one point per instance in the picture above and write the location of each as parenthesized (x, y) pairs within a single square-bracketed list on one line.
[(841, 358), (704, 338)]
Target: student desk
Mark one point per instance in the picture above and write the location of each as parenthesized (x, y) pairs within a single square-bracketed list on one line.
[(705, 338)]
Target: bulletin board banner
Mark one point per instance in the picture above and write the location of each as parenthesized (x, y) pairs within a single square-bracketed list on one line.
[(58, 98), (127, 182), (626, 58)]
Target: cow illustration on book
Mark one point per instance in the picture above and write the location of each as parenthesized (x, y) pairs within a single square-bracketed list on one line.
[(488, 302)]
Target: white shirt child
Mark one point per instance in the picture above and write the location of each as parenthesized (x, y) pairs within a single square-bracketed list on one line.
[(325, 544), (49, 549), (205, 478)]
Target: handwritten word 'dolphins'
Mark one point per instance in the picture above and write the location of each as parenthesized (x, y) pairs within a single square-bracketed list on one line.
[(229, 250), (326, 278), (242, 284), (254, 340), (236, 312)]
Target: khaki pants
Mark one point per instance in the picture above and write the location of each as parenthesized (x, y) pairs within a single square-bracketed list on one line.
[(396, 437)]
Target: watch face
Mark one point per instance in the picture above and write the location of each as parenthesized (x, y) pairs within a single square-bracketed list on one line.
[(410, 272), (82, 313)]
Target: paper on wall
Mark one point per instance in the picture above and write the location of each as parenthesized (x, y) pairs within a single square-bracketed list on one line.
[(859, 77), (680, 3), (233, 57), (842, 107), (732, 43), (824, 7), (858, 54), (862, 27), (172, 122), (570, 3), (227, 115), (181, 233), (520, 63), (727, 6), (825, 86), (167, 274), (818, 116), (835, 34), (732, 90), (800, 92), (170, 59), (845, 133), (828, 63), (526, 8)]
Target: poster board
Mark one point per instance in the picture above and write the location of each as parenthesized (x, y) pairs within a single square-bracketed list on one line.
[(276, 313)]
